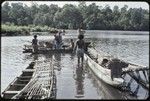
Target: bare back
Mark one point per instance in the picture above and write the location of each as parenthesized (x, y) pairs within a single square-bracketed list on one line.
[(80, 44)]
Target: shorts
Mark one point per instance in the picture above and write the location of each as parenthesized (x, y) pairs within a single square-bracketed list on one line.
[(80, 52), (35, 48)]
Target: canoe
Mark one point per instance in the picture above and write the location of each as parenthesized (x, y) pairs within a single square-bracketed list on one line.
[(42, 85), (95, 60), (34, 83), (102, 73), (19, 82), (130, 67), (44, 50)]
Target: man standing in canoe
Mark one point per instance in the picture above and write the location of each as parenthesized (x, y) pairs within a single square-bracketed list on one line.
[(80, 44), (34, 44)]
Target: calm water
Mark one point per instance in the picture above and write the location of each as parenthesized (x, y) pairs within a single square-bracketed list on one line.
[(73, 83)]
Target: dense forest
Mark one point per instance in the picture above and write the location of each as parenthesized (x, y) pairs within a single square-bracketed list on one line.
[(91, 17)]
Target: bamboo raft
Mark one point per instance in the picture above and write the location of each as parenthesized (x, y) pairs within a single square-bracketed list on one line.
[(38, 81), (20, 82), (139, 73), (42, 85)]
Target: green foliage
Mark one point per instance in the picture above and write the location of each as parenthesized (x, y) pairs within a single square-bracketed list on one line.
[(11, 29), (90, 17)]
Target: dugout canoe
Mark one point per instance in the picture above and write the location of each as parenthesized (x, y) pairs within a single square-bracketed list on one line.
[(102, 73), (42, 85), (95, 60), (44, 50), (126, 66), (19, 82)]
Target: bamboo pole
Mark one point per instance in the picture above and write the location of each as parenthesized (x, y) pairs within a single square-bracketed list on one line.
[(139, 81)]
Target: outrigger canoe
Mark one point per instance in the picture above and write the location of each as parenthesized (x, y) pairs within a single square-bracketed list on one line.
[(101, 72), (95, 60), (19, 82)]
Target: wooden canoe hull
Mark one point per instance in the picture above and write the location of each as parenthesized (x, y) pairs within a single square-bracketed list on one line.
[(45, 51), (42, 85), (102, 73), (19, 82)]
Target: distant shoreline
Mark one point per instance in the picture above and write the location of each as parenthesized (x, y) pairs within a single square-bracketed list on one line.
[(117, 32)]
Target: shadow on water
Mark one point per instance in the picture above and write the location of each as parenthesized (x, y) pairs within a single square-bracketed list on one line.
[(79, 80), (57, 59)]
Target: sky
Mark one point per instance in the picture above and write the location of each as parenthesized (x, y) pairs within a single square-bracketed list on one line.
[(135, 4)]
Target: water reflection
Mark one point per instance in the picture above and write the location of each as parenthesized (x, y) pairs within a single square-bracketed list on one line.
[(72, 56), (79, 80), (27, 57), (132, 48), (106, 91), (35, 57), (57, 59)]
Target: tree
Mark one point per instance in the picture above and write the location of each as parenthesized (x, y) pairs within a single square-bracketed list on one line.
[(72, 17), (5, 12), (43, 9), (33, 11)]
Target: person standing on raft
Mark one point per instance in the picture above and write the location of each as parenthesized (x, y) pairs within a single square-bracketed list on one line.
[(80, 44)]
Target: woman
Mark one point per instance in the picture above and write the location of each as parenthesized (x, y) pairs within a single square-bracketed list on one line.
[(80, 44)]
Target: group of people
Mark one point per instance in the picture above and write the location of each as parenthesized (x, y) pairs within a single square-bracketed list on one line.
[(57, 44), (79, 46)]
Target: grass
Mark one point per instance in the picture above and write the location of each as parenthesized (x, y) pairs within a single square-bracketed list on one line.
[(12, 30)]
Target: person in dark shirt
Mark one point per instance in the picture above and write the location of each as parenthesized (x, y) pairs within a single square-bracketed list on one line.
[(116, 65), (58, 39), (35, 44), (80, 44)]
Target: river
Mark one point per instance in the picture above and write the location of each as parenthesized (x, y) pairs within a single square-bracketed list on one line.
[(73, 83)]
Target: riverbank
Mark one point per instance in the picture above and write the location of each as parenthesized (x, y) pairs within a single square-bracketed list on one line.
[(14, 30)]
